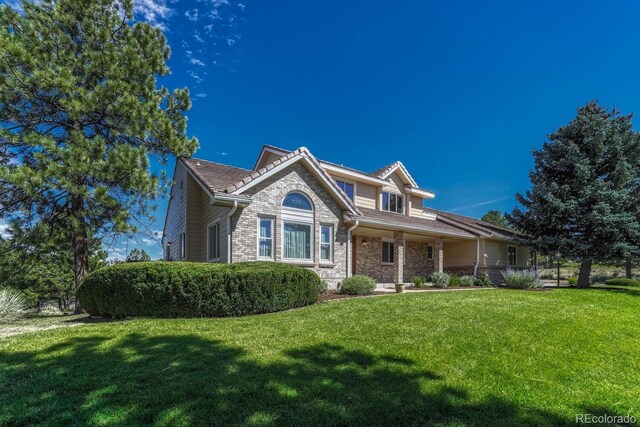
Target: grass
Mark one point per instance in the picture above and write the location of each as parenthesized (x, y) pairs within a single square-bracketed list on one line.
[(500, 357)]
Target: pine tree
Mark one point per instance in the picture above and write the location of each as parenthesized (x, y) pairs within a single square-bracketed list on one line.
[(496, 218), (137, 255), (585, 195), (80, 114)]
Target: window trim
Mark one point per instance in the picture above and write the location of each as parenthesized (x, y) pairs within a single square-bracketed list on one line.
[(320, 243), (302, 217), (183, 245), (272, 220), (209, 258), (515, 256), (346, 181), (389, 193), (392, 253)]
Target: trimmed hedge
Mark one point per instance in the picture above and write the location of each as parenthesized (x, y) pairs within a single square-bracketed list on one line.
[(189, 289), (358, 285), (620, 281)]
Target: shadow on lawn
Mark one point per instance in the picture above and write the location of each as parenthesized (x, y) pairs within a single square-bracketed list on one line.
[(173, 380)]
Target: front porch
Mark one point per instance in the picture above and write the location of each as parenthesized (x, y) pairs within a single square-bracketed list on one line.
[(396, 256)]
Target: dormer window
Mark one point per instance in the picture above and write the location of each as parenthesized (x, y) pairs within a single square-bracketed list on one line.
[(392, 202)]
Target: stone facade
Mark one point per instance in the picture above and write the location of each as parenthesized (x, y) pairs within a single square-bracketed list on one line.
[(266, 201), (417, 262)]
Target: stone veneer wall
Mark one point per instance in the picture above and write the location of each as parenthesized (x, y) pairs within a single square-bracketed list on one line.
[(369, 260), (266, 201), (417, 263)]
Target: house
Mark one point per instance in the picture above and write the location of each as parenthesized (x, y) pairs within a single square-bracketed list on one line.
[(338, 221)]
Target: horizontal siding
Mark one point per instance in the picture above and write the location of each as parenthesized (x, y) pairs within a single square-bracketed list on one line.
[(196, 245), (211, 214), (459, 254), (496, 254), (176, 222), (416, 206), (365, 195), (396, 185)]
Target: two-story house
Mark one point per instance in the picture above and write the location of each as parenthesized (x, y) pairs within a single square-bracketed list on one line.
[(338, 221)]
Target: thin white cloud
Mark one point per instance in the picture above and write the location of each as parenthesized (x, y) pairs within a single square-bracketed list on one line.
[(192, 15), (156, 12), (196, 61), (477, 205), (201, 95), (241, 6)]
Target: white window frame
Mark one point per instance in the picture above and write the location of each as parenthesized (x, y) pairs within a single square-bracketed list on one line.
[(389, 193), (302, 217), (346, 181), (183, 245), (432, 247), (330, 259), (393, 250), (209, 257), (273, 238), (516, 256)]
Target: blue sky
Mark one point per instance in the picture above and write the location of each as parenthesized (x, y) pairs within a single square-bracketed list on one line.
[(460, 92)]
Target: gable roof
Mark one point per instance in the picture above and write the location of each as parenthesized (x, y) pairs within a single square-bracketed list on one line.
[(214, 176), (385, 171), (483, 228)]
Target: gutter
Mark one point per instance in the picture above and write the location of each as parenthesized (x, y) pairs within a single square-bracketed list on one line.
[(229, 215), (349, 240)]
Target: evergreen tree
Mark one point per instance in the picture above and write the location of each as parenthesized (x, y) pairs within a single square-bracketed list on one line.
[(137, 255), (80, 114), (585, 195), (496, 218)]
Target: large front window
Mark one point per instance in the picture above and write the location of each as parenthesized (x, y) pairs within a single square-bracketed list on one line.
[(297, 227), (392, 202)]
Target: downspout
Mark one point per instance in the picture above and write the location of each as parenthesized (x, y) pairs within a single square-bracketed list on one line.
[(229, 215), (475, 267), (353, 227)]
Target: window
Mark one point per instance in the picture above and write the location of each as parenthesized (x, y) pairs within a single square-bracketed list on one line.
[(387, 252), (297, 201), (429, 251), (392, 202), (297, 227), (213, 241), (512, 255), (183, 246), (265, 238), (326, 237), (347, 187)]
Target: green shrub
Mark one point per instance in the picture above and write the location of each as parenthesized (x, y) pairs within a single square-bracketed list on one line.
[(418, 281), (188, 289), (440, 280), (483, 281), (520, 279), (358, 285), (573, 280), (622, 282), (467, 280), (12, 305), (454, 281)]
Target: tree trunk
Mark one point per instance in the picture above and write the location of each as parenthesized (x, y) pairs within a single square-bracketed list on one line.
[(80, 244), (627, 267), (585, 273)]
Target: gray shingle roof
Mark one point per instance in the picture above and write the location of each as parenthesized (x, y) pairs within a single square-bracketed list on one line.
[(483, 227), (215, 176), (399, 219)]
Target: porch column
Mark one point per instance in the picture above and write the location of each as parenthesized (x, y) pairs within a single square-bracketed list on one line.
[(438, 256), (398, 259)]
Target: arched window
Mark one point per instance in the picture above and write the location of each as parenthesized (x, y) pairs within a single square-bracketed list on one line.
[(297, 201), (297, 227)]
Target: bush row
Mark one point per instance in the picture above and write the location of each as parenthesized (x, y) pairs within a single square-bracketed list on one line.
[(188, 289)]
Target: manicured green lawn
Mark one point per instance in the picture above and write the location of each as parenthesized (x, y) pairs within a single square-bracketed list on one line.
[(488, 357)]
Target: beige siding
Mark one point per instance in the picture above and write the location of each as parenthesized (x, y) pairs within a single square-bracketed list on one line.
[(416, 206), (176, 221), (210, 215), (459, 254), (365, 195), (496, 254), (396, 185)]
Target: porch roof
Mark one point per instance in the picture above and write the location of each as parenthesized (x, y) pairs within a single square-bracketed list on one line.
[(390, 220)]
